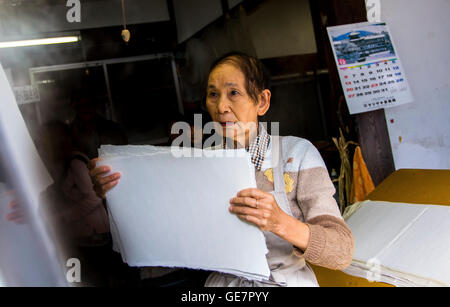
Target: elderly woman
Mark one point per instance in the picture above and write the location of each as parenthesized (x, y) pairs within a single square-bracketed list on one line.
[(293, 204)]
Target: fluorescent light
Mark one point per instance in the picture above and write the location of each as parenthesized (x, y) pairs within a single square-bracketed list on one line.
[(41, 41)]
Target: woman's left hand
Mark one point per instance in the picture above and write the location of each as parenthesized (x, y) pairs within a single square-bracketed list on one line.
[(259, 208)]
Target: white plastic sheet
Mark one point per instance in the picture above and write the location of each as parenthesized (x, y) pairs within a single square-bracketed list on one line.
[(173, 211)]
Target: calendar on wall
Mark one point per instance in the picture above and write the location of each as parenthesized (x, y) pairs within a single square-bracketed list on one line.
[(370, 70)]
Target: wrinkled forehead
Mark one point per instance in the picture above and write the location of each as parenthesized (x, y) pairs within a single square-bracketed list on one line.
[(226, 75)]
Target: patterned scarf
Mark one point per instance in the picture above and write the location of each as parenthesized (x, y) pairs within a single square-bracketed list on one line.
[(258, 147)]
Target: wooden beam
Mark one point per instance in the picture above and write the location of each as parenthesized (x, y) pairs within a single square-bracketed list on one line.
[(291, 64)]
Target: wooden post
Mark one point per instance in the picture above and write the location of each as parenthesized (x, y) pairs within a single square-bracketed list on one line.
[(370, 127)]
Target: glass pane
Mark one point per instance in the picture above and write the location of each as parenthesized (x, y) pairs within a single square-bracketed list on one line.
[(144, 99), (58, 89)]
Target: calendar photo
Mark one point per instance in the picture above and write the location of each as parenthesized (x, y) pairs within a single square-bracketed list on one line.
[(370, 70)]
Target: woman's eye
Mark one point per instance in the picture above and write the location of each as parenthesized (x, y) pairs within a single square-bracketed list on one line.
[(234, 93), (212, 94)]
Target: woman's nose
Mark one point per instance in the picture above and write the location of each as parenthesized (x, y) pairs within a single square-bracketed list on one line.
[(224, 105)]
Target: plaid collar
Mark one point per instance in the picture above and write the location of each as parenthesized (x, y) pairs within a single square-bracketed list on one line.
[(258, 147)]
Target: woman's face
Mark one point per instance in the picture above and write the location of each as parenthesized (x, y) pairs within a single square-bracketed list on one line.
[(229, 104)]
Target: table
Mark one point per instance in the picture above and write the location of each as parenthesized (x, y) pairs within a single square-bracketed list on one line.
[(407, 186)]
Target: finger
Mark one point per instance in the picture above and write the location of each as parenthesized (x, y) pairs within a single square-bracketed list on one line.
[(99, 170), (18, 220), (107, 179), (247, 201), (260, 223), (250, 202), (241, 210), (261, 214), (109, 186), (253, 192), (92, 163), (14, 215), (13, 204)]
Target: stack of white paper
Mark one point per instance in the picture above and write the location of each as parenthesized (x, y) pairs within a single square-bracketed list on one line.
[(401, 244), (173, 211)]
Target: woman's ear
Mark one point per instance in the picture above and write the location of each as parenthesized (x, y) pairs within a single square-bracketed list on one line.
[(264, 102)]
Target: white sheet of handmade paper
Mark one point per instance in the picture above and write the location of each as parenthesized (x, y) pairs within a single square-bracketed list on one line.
[(29, 168), (410, 242), (173, 211), (28, 255)]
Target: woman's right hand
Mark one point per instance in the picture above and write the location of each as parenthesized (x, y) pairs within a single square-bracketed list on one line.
[(17, 214), (102, 183)]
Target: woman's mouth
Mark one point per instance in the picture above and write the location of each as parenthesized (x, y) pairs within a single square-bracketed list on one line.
[(227, 124)]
